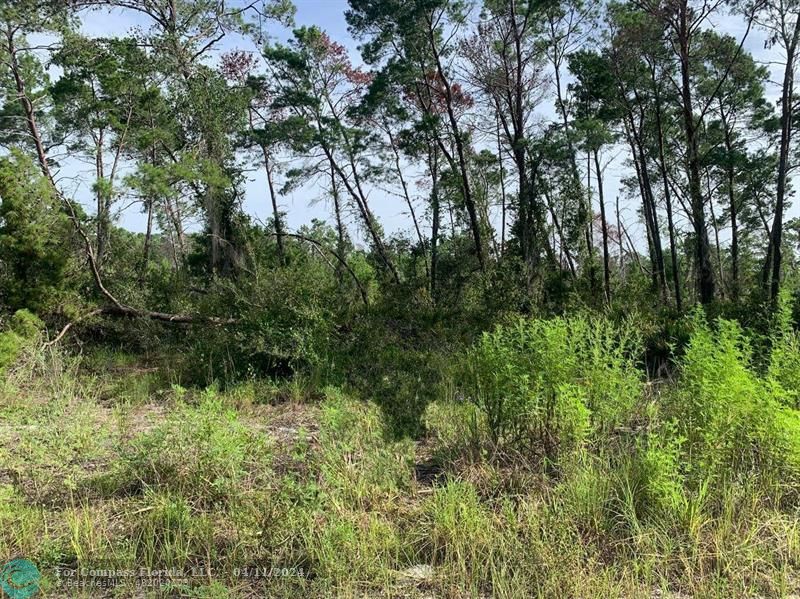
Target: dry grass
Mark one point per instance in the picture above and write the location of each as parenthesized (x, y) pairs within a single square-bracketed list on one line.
[(279, 499)]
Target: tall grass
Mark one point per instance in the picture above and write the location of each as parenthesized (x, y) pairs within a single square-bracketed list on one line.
[(548, 467)]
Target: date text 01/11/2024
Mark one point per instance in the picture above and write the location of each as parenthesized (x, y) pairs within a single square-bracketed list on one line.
[(272, 572)]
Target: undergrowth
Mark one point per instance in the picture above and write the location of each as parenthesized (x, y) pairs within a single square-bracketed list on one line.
[(548, 465)]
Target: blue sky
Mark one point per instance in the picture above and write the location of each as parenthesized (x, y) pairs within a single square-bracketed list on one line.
[(310, 201)]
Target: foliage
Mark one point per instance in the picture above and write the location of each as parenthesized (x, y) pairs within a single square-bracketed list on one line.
[(23, 329), (480, 375), (551, 385), (35, 236), (732, 419)]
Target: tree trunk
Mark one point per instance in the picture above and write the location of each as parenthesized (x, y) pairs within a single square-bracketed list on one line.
[(276, 215), (732, 207), (360, 199), (662, 165), (148, 235), (715, 227), (502, 192), (586, 212), (433, 157), (340, 234), (787, 98), (604, 224), (705, 273)]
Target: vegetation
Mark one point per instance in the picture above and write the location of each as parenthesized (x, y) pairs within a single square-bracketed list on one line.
[(524, 390)]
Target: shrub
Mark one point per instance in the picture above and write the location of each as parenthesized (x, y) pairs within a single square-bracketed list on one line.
[(784, 358), (548, 385), (732, 419), (648, 483), (24, 329)]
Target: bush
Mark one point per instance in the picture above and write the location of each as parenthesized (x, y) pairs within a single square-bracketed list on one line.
[(648, 482), (784, 357), (549, 385), (24, 328), (733, 419)]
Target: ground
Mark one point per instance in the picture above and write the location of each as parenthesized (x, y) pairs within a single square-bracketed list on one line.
[(116, 484)]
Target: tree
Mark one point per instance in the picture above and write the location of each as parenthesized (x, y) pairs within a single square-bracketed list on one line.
[(94, 104), (682, 22), (781, 20), (411, 35), (597, 111), (35, 240), (316, 83), (507, 66), (633, 55), (738, 105)]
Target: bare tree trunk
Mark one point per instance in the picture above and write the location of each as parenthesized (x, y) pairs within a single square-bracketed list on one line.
[(787, 99), (715, 227), (502, 192), (435, 216), (101, 227), (604, 224), (564, 247), (702, 247), (276, 215), (662, 166), (357, 193), (148, 235), (619, 239), (562, 109), (340, 234), (732, 207)]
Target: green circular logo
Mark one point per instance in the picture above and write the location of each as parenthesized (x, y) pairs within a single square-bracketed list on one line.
[(19, 578)]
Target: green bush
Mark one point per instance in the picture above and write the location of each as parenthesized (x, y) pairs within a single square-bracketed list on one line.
[(733, 419), (647, 483), (23, 328), (548, 385), (784, 357)]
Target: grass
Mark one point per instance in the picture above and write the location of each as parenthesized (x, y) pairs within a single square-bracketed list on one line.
[(274, 490)]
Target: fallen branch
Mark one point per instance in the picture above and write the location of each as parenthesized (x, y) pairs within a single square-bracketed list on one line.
[(128, 312), (69, 325)]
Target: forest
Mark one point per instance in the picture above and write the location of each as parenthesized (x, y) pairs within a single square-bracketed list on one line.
[(399, 298)]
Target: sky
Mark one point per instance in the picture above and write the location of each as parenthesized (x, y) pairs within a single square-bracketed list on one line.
[(301, 205), (310, 201)]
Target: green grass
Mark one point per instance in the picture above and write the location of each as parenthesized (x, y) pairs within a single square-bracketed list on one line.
[(281, 490)]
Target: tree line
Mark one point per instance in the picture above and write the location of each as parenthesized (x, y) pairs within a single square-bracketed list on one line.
[(491, 125)]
